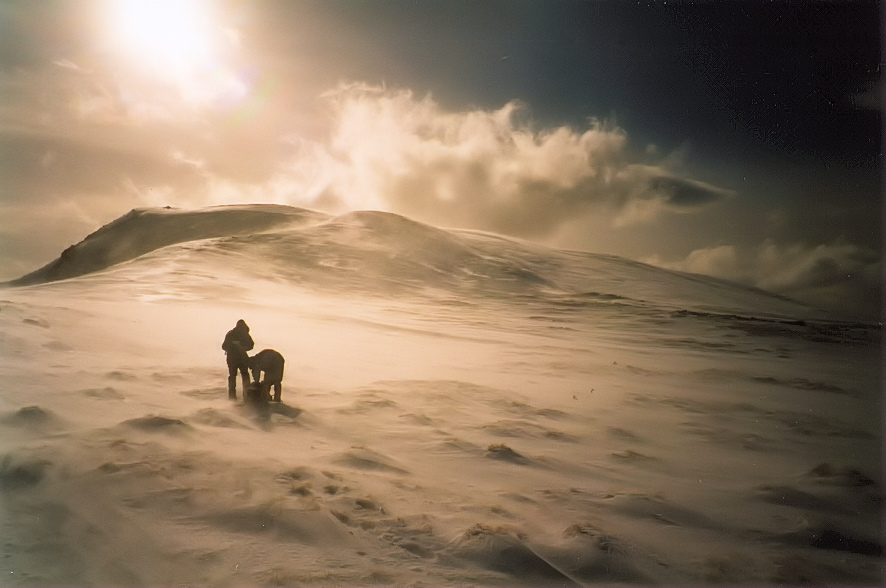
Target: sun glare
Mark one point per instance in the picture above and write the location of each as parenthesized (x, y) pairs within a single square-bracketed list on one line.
[(162, 32), (178, 41)]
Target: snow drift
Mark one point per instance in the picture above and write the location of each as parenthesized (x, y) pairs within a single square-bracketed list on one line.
[(458, 408)]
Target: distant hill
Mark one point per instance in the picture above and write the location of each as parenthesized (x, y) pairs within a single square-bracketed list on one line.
[(141, 231), (371, 252)]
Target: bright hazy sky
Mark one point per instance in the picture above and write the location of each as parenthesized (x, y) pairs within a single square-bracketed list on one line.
[(736, 139)]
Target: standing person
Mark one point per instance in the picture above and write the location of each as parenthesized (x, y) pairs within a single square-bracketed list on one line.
[(237, 342)]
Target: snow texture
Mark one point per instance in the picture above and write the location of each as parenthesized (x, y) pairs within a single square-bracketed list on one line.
[(458, 408)]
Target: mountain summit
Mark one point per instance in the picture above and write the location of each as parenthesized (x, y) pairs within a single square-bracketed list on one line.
[(143, 230)]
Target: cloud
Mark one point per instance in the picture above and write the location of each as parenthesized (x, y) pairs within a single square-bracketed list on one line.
[(491, 169), (686, 194), (385, 149), (837, 276)]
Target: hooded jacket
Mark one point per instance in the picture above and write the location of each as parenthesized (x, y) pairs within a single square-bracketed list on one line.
[(239, 334)]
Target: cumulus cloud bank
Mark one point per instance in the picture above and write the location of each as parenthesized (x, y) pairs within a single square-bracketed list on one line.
[(490, 169), (386, 150)]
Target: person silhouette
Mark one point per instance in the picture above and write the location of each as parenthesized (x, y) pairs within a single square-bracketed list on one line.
[(271, 363), (237, 342)]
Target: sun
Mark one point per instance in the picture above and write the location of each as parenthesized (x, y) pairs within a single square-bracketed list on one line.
[(178, 42), (163, 33)]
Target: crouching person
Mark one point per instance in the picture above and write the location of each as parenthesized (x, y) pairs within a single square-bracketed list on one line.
[(270, 363)]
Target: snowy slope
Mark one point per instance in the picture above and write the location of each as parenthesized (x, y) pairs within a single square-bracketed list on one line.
[(458, 409), (370, 251), (143, 230)]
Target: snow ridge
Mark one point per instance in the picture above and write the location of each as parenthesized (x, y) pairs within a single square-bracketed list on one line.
[(381, 253), (143, 230)]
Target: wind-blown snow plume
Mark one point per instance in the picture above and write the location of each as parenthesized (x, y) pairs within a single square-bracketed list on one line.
[(491, 169), (825, 274)]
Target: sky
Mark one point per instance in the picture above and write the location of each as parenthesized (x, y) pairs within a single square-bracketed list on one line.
[(737, 139)]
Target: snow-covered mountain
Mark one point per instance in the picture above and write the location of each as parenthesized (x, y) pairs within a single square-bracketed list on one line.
[(382, 252), (458, 408)]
